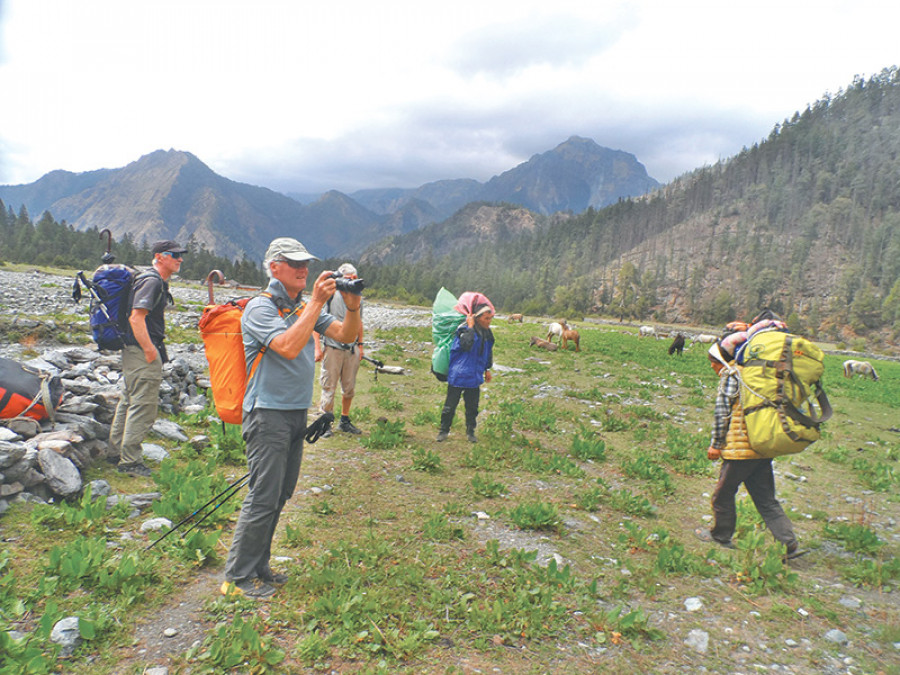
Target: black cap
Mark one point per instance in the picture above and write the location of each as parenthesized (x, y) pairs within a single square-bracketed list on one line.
[(167, 246)]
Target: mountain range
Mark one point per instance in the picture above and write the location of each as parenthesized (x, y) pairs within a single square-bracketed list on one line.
[(173, 194)]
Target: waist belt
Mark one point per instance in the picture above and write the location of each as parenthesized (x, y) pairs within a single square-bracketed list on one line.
[(340, 345)]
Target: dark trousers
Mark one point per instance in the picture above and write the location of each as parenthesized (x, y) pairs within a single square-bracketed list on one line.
[(470, 397), (274, 441), (757, 477)]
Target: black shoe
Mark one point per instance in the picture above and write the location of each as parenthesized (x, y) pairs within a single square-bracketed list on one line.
[(441, 437), (274, 578), (347, 426), (251, 588), (135, 469), (470, 436), (328, 433), (704, 535), (794, 551)]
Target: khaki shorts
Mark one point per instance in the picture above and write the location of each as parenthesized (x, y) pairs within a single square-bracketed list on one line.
[(338, 366)]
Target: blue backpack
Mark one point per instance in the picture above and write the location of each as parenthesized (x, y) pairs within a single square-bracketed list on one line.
[(110, 291)]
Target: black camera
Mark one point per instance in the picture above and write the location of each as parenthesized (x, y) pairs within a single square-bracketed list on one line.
[(354, 286)]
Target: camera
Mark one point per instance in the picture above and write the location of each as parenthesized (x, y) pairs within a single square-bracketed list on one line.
[(354, 286)]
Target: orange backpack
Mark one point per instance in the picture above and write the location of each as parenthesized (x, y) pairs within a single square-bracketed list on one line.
[(220, 328)]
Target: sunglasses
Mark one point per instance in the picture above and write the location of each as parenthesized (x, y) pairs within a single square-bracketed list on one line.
[(295, 264), (177, 256)]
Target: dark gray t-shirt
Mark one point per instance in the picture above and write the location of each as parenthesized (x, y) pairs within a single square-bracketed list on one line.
[(150, 292)]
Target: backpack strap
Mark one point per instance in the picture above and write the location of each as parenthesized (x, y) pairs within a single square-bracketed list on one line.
[(283, 312)]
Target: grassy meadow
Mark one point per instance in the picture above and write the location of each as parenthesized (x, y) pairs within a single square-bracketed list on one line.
[(561, 542)]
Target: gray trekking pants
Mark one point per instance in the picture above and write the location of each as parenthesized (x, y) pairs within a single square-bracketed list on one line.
[(757, 476), (274, 445)]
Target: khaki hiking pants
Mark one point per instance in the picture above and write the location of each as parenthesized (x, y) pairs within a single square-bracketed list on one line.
[(137, 409)]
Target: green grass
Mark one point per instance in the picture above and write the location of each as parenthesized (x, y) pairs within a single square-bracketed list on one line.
[(590, 477)]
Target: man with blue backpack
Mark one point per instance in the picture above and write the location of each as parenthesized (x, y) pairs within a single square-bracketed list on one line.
[(143, 356)]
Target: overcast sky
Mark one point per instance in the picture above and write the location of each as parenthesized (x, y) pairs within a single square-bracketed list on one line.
[(303, 96)]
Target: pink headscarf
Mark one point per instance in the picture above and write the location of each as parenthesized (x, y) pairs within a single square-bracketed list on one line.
[(469, 300)]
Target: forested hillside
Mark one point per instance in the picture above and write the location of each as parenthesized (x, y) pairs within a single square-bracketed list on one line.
[(805, 221), (51, 243)]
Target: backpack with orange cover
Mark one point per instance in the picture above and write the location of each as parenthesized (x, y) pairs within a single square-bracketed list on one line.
[(220, 328)]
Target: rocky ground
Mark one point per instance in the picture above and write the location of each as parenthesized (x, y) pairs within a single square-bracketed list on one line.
[(40, 306)]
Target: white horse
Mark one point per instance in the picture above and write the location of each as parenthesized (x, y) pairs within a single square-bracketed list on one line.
[(862, 368), (704, 338), (557, 328), (646, 331)]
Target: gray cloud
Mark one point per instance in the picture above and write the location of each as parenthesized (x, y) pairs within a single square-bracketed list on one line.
[(501, 50)]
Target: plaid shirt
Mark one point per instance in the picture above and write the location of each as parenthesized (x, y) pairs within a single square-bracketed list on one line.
[(729, 388)]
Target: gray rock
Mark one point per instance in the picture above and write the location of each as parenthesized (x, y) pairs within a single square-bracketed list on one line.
[(836, 636), (100, 488), (23, 472), (153, 452), (11, 453), (169, 430), (65, 633), (851, 602), (199, 442), (62, 476), (693, 604), (698, 640), (7, 435), (156, 524)]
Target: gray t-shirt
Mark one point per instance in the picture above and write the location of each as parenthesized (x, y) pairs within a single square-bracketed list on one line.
[(278, 383), (338, 310)]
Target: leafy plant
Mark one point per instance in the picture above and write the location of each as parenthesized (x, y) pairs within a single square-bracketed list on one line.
[(854, 536), (438, 528), (536, 516), (384, 435), (242, 641), (426, 460), (587, 446), (486, 487)]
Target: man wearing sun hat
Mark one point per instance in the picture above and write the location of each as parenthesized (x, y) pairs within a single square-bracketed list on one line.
[(340, 361), (143, 356), (277, 328)]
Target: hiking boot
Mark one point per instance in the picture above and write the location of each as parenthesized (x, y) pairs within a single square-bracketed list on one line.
[(250, 588), (705, 535), (471, 437), (274, 578), (328, 433), (794, 551), (441, 437), (135, 469), (347, 426)]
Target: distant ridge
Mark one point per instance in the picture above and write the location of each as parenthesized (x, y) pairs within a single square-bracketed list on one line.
[(173, 194)]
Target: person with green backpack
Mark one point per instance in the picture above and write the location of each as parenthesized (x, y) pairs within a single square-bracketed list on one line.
[(470, 361), (741, 464)]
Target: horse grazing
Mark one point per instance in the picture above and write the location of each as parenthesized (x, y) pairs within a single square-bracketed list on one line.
[(677, 345), (571, 334), (557, 328), (704, 338), (514, 318), (543, 344), (646, 331), (862, 368)]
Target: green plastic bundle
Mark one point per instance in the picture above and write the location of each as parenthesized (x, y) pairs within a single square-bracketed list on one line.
[(444, 322)]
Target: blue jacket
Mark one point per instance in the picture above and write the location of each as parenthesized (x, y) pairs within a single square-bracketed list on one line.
[(470, 355)]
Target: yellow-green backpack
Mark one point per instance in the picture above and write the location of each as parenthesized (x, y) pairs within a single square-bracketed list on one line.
[(781, 393)]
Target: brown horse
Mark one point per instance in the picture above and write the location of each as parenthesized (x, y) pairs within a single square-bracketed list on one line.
[(570, 334)]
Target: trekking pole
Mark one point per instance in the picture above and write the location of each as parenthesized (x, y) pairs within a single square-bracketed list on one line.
[(231, 487), (221, 502)]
